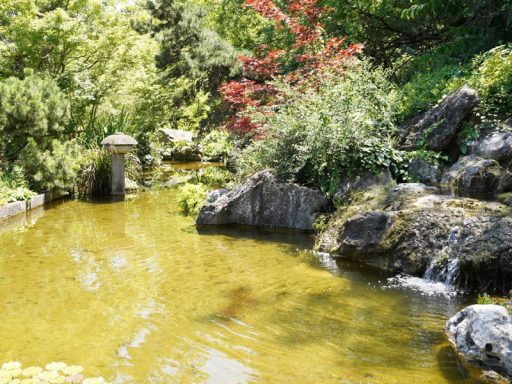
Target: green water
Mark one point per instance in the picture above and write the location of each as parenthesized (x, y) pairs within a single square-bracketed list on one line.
[(131, 291)]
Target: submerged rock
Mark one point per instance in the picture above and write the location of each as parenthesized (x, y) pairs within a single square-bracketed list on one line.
[(436, 128), (410, 229), (481, 335), (495, 146), (264, 201), (475, 177)]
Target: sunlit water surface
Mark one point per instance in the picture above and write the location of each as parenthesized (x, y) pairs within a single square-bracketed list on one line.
[(132, 292)]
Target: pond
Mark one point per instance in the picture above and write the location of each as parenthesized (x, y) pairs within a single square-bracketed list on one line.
[(132, 292)]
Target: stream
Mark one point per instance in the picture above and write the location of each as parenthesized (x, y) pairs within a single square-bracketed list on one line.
[(132, 292)]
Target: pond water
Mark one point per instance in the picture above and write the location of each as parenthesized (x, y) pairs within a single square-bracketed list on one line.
[(132, 292)]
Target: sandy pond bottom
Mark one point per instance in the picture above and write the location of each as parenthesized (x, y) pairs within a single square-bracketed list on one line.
[(131, 291)]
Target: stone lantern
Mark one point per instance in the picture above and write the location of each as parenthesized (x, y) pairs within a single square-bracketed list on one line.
[(118, 144)]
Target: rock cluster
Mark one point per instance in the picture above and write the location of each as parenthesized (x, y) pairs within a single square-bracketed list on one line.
[(410, 227), (436, 128)]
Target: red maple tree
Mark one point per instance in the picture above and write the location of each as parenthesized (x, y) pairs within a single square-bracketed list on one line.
[(310, 51)]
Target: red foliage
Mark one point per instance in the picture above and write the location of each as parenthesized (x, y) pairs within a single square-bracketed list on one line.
[(310, 52)]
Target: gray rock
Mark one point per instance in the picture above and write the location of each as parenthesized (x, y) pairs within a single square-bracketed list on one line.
[(505, 198), (495, 146), (436, 128), (424, 172), (507, 124), (409, 231), (175, 135), (264, 201), (130, 185), (481, 335), (476, 177), (363, 232), (179, 145), (406, 193), (233, 159), (213, 196), (186, 153), (411, 189), (382, 179)]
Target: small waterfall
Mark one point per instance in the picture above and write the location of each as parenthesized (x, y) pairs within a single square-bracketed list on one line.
[(445, 268)]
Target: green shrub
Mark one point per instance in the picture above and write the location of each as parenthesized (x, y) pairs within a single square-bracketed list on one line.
[(492, 77), (102, 126), (148, 149), (333, 128), (191, 198), (215, 177), (53, 169), (33, 107), (486, 299), (217, 145), (94, 175), (13, 186)]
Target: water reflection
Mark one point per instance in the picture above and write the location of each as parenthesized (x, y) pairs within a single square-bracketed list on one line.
[(133, 293)]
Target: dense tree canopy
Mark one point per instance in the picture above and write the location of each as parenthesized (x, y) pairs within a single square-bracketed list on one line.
[(77, 70)]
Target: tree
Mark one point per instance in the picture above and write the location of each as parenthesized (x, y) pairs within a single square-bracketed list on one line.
[(302, 52), (88, 47), (33, 107), (194, 59), (393, 28)]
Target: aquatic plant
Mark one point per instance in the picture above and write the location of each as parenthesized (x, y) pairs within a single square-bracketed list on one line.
[(53, 373), (191, 198)]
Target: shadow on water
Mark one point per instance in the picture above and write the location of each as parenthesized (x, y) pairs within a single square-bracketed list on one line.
[(104, 200), (445, 356), (296, 239)]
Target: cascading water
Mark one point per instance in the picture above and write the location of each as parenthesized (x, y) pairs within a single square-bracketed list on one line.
[(445, 268), (440, 276)]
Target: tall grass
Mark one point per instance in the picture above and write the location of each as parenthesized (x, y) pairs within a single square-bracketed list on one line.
[(95, 173), (101, 127)]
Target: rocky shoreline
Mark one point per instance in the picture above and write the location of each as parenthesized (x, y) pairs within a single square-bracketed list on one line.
[(455, 226)]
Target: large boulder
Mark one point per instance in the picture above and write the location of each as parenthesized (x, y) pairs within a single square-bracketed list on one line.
[(422, 171), (264, 201), (436, 128), (411, 229), (175, 136), (495, 146), (481, 335), (179, 145), (476, 177), (362, 233)]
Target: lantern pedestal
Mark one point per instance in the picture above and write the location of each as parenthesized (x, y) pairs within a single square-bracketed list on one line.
[(118, 144)]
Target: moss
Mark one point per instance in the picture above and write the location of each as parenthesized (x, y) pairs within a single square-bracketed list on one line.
[(503, 301), (398, 230)]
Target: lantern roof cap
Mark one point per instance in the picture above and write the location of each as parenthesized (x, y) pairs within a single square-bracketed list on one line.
[(119, 138)]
